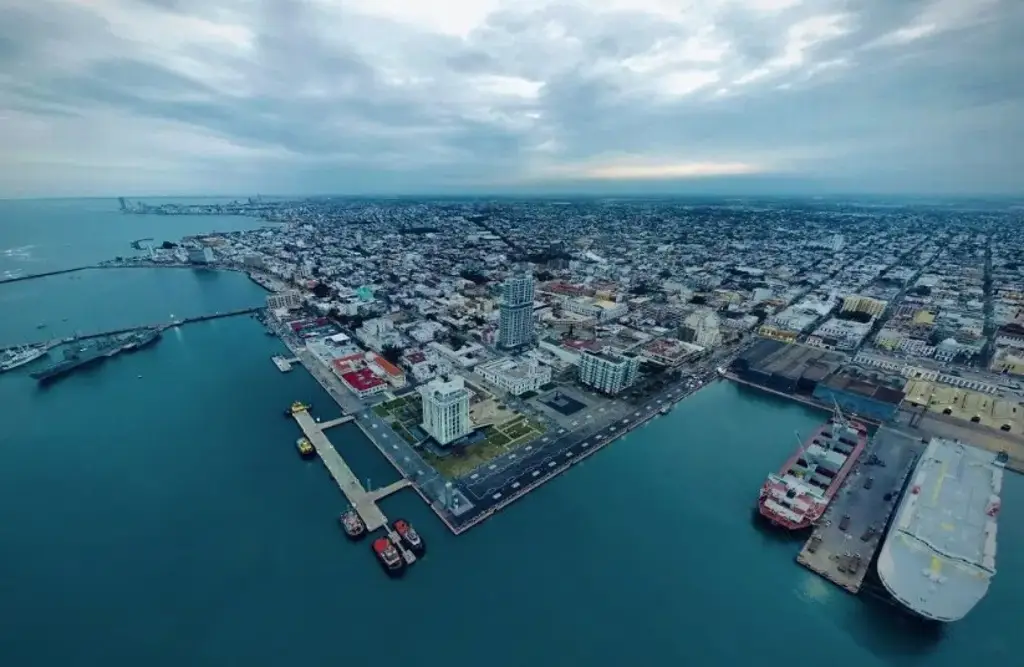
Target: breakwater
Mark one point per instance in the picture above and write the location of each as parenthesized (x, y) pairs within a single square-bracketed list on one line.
[(51, 343)]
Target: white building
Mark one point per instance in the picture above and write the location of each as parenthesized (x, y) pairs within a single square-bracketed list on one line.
[(446, 409), (600, 309), (288, 299), (608, 372), (202, 255), (515, 325), (516, 376), (705, 325)]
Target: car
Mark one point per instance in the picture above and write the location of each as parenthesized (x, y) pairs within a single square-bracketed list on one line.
[(844, 523), (869, 482)]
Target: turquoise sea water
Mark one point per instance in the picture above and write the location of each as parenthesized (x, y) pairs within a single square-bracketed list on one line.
[(166, 520)]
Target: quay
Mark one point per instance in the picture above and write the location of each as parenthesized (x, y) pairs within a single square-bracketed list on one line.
[(362, 501), (843, 554), (284, 365)]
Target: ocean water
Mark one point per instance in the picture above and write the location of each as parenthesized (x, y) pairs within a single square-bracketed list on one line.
[(154, 512)]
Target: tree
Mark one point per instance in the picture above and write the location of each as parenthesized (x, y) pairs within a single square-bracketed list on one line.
[(392, 353), (321, 291)]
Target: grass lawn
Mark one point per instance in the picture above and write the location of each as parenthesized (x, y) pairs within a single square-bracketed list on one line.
[(499, 441)]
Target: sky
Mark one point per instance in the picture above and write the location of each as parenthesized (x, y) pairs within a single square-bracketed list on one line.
[(154, 97)]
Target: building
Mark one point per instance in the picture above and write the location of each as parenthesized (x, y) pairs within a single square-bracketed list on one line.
[(703, 328), (446, 409), (515, 325), (602, 310), (670, 352), (608, 372), (391, 373), (863, 304), (363, 382), (288, 299), (203, 255), (516, 376)]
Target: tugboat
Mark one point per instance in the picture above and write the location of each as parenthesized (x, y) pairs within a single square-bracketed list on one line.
[(409, 536), (388, 556), (353, 526), (297, 406), (306, 449)]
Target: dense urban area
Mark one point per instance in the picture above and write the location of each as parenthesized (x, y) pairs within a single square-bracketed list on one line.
[(484, 347)]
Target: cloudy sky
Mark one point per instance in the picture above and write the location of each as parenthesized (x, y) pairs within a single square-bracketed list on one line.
[(137, 97)]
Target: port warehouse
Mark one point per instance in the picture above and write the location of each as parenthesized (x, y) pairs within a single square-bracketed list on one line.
[(800, 370)]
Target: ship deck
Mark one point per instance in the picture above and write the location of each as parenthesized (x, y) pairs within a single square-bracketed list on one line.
[(867, 509)]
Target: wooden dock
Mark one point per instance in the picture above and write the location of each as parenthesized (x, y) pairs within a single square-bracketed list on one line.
[(843, 556)]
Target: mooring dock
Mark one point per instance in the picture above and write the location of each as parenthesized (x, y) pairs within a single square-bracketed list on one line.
[(845, 541), (362, 501), (284, 365)]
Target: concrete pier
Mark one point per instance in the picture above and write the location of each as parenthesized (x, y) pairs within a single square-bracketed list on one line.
[(335, 422), (363, 502), (832, 551), (385, 491)]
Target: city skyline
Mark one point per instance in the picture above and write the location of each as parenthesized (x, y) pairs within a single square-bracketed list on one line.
[(175, 97)]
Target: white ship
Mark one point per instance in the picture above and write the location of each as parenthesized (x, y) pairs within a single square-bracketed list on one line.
[(940, 554), (20, 356)]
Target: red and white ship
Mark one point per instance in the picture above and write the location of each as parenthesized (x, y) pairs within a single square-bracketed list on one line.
[(801, 491)]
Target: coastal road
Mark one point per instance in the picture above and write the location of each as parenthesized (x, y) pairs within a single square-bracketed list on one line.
[(506, 474)]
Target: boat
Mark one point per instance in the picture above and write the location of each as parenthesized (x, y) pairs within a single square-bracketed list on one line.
[(141, 339), (665, 410), (388, 556), (20, 356), (940, 554), (352, 524), (409, 536), (798, 495), (305, 447), (74, 359), (297, 407)]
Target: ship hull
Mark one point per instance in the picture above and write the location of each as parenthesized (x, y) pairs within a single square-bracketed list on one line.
[(807, 520)]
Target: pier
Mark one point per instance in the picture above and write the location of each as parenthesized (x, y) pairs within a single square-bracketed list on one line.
[(54, 342), (284, 365), (362, 501), (844, 556)]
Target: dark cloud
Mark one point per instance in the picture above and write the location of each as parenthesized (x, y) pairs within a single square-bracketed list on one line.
[(307, 94)]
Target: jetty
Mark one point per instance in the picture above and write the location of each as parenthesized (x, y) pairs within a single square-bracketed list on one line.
[(845, 540), (362, 501), (163, 326), (284, 365)]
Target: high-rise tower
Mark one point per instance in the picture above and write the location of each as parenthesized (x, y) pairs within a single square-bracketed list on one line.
[(515, 328)]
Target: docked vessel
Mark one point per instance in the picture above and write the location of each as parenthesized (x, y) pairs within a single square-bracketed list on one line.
[(74, 359), (305, 447), (940, 554), (352, 525), (296, 407), (20, 356), (409, 536), (388, 557), (797, 496), (142, 339), (665, 410)]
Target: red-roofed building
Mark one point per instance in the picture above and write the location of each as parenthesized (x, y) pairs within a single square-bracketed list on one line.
[(363, 382), (393, 374)]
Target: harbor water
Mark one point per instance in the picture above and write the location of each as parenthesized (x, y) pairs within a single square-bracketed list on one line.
[(155, 512)]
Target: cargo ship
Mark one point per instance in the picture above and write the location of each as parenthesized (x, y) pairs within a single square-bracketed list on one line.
[(74, 359), (20, 356), (940, 554), (409, 536), (388, 557), (798, 495)]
